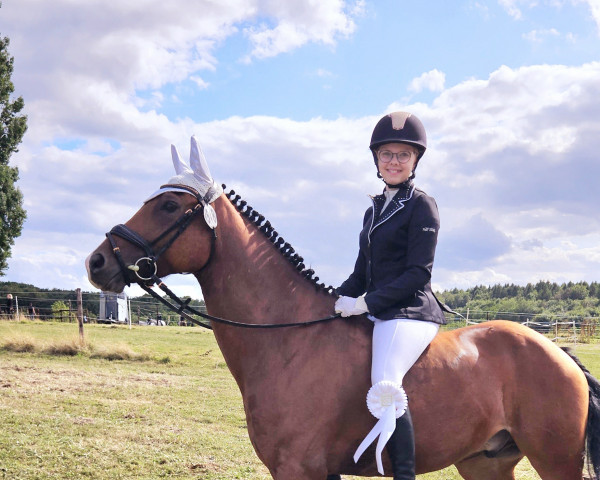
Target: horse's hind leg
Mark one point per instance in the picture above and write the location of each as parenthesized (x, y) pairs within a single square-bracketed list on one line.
[(481, 467), (553, 469)]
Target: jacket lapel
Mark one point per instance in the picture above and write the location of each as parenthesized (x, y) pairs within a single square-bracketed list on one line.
[(396, 204)]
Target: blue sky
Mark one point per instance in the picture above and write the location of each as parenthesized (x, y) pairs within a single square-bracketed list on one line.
[(394, 43), (283, 97)]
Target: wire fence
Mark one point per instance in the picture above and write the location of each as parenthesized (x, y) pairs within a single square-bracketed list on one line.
[(70, 316), (557, 327), (59, 306), (148, 311)]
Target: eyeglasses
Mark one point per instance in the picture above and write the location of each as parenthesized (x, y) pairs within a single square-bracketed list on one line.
[(386, 156)]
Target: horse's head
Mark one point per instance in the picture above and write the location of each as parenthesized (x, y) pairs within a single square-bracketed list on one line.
[(173, 232)]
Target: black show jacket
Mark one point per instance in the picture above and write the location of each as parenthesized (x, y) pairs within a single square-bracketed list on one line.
[(395, 258)]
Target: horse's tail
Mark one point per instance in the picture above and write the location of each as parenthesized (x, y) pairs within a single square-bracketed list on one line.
[(593, 421)]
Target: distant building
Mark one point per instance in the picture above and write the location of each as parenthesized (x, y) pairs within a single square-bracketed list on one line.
[(113, 308)]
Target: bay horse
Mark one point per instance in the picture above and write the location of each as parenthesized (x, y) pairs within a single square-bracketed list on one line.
[(482, 397)]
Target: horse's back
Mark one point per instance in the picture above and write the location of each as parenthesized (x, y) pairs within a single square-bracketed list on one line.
[(502, 345)]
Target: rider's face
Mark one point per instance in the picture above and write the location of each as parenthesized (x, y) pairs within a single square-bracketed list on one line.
[(395, 172)]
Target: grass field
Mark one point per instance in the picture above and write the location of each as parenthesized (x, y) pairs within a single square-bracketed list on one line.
[(140, 403)]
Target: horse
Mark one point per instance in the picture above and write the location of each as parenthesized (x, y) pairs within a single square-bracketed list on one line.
[(482, 397)]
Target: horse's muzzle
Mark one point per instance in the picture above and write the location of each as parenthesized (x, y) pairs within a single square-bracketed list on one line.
[(102, 275)]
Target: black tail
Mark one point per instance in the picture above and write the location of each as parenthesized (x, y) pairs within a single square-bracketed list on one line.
[(593, 421)]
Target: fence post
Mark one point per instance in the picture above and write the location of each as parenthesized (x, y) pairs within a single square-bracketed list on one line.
[(80, 316)]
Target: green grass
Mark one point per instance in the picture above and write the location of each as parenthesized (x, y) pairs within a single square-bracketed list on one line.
[(140, 403), (80, 416)]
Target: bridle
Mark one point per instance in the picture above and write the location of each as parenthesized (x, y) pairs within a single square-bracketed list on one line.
[(145, 268)]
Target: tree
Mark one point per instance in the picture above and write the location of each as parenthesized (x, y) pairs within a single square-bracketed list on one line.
[(60, 311), (12, 129)]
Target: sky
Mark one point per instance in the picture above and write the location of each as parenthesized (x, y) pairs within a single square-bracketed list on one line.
[(283, 97)]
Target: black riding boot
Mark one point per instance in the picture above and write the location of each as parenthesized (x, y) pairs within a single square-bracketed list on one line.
[(401, 448), (334, 477)]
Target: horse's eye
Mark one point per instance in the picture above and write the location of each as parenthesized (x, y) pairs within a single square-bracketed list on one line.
[(169, 206)]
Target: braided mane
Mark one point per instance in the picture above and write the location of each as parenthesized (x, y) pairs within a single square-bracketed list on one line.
[(284, 247)]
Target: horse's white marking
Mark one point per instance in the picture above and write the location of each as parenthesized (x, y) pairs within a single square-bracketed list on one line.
[(467, 349)]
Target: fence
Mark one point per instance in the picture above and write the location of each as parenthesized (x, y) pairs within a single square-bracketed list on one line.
[(147, 312), (42, 306), (561, 328), (71, 316)]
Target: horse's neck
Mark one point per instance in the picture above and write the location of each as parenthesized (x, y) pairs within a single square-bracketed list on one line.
[(250, 279)]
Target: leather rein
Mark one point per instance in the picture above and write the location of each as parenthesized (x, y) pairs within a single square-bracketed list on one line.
[(145, 268)]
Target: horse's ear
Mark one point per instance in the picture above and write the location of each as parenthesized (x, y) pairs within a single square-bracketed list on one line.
[(180, 167), (198, 162)]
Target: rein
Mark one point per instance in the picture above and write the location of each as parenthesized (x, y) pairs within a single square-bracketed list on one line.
[(145, 269), (184, 305)]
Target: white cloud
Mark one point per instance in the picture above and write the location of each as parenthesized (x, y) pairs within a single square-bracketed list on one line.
[(537, 36), (324, 73), (511, 8), (595, 10), (433, 80), (200, 83), (293, 24), (482, 9)]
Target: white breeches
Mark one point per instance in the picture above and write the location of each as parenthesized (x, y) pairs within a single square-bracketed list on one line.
[(397, 345)]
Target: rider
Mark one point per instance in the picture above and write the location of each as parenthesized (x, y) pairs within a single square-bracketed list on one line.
[(391, 283)]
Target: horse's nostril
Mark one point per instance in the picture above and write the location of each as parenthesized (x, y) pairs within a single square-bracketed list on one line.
[(96, 262)]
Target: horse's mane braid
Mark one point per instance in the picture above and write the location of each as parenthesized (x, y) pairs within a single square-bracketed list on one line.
[(284, 247)]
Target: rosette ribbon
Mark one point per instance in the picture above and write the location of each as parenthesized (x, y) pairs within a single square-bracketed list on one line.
[(386, 401)]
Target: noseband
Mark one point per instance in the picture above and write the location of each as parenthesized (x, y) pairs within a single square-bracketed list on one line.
[(145, 268)]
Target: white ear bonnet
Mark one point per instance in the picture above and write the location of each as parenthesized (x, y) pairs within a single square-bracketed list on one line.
[(197, 177)]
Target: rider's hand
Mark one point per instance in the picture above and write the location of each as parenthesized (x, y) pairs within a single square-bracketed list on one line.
[(348, 306)]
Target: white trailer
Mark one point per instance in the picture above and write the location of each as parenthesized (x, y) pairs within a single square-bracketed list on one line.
[(113, 308)]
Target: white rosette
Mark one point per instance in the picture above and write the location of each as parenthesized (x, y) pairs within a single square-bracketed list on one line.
[(210, 216), (382, 395), (386, 401)]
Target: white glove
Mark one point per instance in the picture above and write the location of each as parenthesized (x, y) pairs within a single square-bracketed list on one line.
[(348, 306)]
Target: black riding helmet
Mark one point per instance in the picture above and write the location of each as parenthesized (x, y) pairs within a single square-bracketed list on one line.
[(399, 127)]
